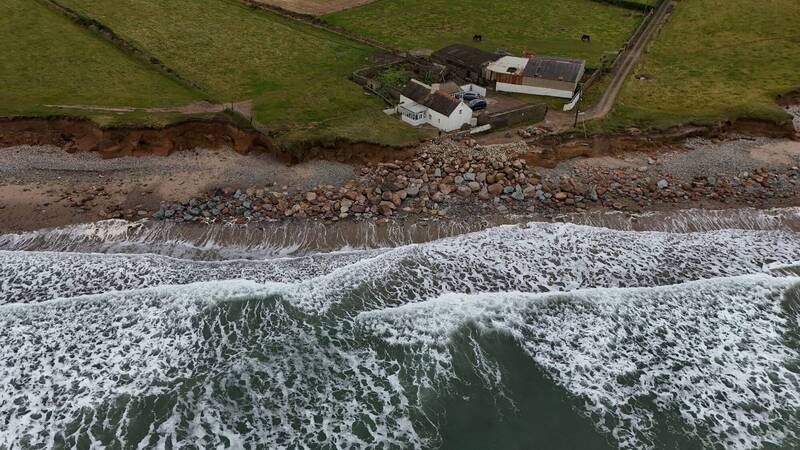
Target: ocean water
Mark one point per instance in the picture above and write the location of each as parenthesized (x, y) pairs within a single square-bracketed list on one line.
[(676, 331)]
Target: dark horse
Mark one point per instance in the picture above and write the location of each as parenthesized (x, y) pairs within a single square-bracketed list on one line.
[(477, 37), (586, 38)]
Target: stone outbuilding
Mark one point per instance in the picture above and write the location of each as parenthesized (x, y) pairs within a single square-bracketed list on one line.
[(468, 63)]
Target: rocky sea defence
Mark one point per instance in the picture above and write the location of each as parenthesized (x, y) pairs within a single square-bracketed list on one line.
[(451, 178)]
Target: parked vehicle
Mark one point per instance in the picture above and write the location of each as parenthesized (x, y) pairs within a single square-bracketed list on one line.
[(468, 96), (477, 104)]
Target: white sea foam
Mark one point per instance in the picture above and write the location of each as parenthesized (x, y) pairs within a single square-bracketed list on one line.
[(177, 358), (531, 258), (546, 257), (713, 353), (30, 277), (271, 240), (294, 357), (64, 358), (216, 242), (695, 220)]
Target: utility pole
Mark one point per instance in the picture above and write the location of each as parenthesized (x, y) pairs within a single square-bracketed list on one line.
[(578, 106)]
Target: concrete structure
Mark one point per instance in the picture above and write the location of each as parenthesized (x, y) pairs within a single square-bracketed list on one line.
[(537, 75), (480, 90), (421, 104)]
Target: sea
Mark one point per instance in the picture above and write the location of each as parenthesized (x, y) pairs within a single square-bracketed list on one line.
[(675, 330)]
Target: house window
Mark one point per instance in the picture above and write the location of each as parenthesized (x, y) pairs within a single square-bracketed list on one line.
[(415, 115)]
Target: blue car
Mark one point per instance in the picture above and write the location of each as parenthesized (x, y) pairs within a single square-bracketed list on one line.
[(468, 96), (477, 104)]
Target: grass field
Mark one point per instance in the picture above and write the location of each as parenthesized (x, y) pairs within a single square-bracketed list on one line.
[(715, 60), (542, 26), (46, 59), (314, 7), (296, 75)]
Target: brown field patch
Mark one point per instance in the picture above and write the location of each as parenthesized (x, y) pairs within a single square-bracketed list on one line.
[(315, 7)]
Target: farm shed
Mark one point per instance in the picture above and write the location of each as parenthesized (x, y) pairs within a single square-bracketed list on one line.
[(468, 62), (420, 104), (538, 75)]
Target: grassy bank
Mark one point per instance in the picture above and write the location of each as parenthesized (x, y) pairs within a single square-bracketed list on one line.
[(48, 60), (296, 75), (542, 26), (714, 60)]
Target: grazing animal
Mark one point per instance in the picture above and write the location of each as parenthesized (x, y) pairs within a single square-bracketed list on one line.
[(586, 38), (477, 37)]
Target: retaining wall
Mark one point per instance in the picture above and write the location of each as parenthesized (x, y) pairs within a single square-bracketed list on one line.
[(527, 114)]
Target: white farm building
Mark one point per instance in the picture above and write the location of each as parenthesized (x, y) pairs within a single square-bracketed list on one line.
[(421, 104), (537, 75)]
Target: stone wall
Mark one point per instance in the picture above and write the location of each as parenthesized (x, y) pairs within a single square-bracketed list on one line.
[(527, 114)]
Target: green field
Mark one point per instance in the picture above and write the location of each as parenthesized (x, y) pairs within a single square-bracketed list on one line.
[(296, 75), (702, 67), (715, 60), (542, 26), (46, 59)]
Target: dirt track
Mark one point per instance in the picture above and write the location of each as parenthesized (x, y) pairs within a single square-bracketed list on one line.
[(315, 7), (560, 120), (244, 108), (629, 60)]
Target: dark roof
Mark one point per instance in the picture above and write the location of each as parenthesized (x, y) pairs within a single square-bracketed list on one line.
[(437, 101), (416, 91), (465, 56), (553, 68), (450, 87)]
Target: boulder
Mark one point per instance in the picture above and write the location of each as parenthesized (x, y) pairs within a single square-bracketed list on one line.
[(495, 189)]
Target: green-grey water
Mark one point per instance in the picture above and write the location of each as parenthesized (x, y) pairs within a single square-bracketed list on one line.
[(513, 337)]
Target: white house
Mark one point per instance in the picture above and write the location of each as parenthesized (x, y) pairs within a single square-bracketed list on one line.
[(538, 75), (420, 104)]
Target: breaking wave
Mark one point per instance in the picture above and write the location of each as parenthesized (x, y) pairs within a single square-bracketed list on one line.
[(635, 339), (715, 360), (222, 242)]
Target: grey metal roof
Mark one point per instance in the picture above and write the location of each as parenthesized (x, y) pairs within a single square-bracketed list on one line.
[(554, 68), (465, 56), (437, 101)]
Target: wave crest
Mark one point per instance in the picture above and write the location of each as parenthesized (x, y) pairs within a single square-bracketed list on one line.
[(709, 355)]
